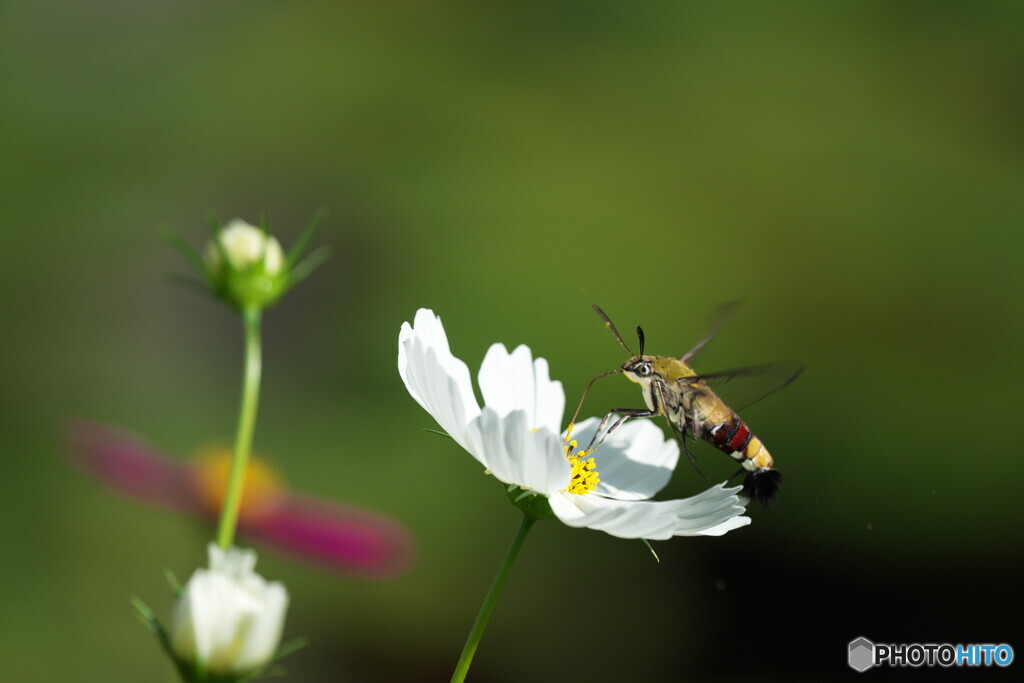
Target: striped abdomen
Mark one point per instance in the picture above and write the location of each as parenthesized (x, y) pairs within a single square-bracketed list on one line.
[(735, 439)]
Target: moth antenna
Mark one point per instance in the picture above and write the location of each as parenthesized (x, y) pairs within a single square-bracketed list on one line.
[(610, 326), (640, 336)]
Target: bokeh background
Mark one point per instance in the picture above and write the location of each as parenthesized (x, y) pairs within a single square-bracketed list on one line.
[(852, 171)]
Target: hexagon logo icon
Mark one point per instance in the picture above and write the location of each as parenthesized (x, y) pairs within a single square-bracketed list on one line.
[(862, 654)]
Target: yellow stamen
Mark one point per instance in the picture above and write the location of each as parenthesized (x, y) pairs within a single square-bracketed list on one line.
[(584, 476)]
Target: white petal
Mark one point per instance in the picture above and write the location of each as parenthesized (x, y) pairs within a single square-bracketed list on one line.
[(264, 630), (438, 381), (183, 634), (217, 609), (635, 462), (229, 618), (722, 529), (710, 513), (713, 512), (516, 454), (236, 562), (245, 245), (515, 381)]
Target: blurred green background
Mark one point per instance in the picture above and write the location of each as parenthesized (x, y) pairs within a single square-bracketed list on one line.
[(853, 171)]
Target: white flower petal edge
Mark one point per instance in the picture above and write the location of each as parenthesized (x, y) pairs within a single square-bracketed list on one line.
[(516, 454), (635, 462), (515, 381), (438, 381), (711, 513)]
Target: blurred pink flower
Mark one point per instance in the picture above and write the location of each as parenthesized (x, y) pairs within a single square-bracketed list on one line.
[(324, 533)]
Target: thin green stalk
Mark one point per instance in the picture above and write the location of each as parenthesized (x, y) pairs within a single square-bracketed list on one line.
[(246, 426), (462, 668)]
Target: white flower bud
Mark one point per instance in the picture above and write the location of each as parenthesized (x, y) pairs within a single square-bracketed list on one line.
[(245, 266), (229, 618), (245, 246)]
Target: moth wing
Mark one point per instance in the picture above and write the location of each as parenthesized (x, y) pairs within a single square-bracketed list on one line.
[(719, 320), (743, 387)]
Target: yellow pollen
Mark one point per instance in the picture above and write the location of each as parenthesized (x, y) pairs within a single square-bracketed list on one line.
[(584, 476), (263, 487)]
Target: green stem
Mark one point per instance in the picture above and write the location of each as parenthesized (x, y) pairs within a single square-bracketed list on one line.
[(469, 649), (246, 426)]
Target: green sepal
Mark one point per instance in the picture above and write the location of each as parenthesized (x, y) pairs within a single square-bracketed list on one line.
[(148, 618), (173, 582), (293, 645), (189, 284), (187, 250), (299, 248), (213, 223), (302, 270), (531, 503), (272, 669)]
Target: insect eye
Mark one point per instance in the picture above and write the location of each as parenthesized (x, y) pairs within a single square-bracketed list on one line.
[(643, 370)]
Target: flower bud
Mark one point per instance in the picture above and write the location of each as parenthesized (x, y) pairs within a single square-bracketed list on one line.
[(229, 619), (245, 265)]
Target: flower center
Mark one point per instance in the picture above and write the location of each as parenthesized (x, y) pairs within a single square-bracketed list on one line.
[(584, 476)]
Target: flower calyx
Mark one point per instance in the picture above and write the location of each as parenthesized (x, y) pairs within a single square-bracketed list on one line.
[(529, 502)]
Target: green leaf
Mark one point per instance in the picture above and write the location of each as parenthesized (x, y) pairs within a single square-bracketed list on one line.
[(648, 544)]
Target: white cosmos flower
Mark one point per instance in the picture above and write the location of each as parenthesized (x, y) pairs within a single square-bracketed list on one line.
[(517, 437), (229, 618)]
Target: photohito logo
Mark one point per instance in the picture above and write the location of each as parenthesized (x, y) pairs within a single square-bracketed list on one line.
[(863, 654)]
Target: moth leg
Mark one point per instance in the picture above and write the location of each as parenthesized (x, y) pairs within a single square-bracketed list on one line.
[(625, 413), (681, 433)]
